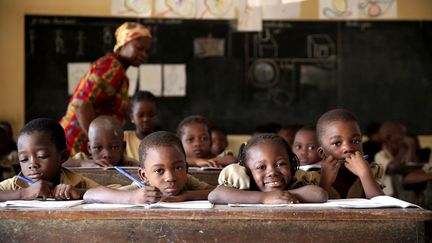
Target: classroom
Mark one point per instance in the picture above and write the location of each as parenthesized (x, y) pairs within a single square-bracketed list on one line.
[(246, 68)]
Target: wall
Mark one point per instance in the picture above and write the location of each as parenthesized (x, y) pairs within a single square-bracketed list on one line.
[(12, 42)]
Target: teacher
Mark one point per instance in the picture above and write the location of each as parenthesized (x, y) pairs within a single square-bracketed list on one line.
[(104, 88)]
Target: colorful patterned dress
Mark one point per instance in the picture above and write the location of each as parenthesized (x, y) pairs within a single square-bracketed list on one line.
[(105, 86)]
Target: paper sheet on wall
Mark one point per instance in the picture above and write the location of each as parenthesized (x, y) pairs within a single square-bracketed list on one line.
[(249, 18), (175, 9), (338, 9), (281, 11), (142, 8), (384, 9), (216, 9), (76, 71), (174, 78), (132, 73), (150, 78)]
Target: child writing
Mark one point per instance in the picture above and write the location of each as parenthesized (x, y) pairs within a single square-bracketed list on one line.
[(271, 166), (164, 171), (194, 132), (305, 146), (143, 114), (344, 171), (105, 145), (41, 151)]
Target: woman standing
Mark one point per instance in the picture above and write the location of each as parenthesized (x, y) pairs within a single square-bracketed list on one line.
[(104, 89)]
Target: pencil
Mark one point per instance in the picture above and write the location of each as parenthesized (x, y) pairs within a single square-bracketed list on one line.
[(25, 179), (125, 173)]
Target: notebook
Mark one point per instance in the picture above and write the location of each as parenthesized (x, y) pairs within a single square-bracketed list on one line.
[(49, 203), (203, 204)]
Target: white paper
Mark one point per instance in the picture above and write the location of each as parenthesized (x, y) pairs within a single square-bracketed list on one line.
[(175, 9), (200, 204), (216, 9), (309, 167), (338, 9), (174, 78), (281, 11), (377, 9), (50, 203), (142, 8), (132, 74), (249, 18), (76, 70), (150, 78)]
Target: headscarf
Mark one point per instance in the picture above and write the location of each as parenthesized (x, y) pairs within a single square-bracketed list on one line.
[(129, 31)]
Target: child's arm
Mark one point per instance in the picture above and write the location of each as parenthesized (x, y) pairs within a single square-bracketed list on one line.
[(310, 194), (190, 195), (329, 170), (67, 192), (225, 195), (39, 189), (101, 194), (86, 163), (225, 160), (199, 162), (360, 167)]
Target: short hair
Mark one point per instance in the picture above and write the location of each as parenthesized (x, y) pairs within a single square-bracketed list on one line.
[(268, 138), (107, 123), (159, 139), (49, 127), (331, 116), (195, 119), (141, 96)]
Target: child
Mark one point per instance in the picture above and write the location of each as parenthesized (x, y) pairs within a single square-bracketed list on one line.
[(105, 145), (9, 164), (143, 115), (288, 133), (194, 132), (164, 171), (219, 141), (271, 165), (41, 151), (344, 171), (305, 146)]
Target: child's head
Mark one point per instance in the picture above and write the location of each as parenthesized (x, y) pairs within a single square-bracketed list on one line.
[(270, 161), (163, 162), (106, 139), (144, 112), (305, 146), (392, 135), (219, 141), (194, 133), (288, 133), (42, 149), (338, 134)]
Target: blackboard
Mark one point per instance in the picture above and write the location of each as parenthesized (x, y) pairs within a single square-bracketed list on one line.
[(289, 73)]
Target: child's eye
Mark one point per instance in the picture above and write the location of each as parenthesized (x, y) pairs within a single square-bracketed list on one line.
[(281, 164), (297, 146), (337, 143), (179, 168), (356, 141), (23, 160), (204, 139), (260, 167), (42, 156), (98, 148), (115, 147), (311, 147), (159, 171)]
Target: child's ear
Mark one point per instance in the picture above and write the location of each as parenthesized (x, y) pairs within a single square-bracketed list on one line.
[(142, 175), (321, 153), (64, 155)]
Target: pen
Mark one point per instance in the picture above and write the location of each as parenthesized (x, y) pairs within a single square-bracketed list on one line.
[(25, 179), (125, 173)]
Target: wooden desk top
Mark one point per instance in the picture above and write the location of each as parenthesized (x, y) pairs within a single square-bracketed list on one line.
[(222, 223)]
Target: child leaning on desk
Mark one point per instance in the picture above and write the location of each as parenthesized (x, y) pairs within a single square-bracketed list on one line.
[(41, 151), (266, 173), (105, 145), (164, 172)]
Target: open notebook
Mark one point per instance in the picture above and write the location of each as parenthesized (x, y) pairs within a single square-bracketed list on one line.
[(179, 205), (49, 203), (375, 202)]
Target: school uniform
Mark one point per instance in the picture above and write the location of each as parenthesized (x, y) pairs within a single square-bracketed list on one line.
[(132, 145), (125, 161), (66, 177)]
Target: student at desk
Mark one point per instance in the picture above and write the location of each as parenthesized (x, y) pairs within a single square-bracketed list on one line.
[(266, 174), (106, 146), (164, 171), (305, 146), (41, 151)]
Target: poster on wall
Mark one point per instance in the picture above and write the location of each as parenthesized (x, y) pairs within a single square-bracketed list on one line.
[(357, 9), (142, 8)]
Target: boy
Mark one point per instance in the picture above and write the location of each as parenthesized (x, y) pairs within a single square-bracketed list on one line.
[(163, 170), (105, 145), (344, 171), (41, 151), (305, 146)]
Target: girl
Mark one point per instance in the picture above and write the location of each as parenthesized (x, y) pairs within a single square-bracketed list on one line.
[(271, 166)]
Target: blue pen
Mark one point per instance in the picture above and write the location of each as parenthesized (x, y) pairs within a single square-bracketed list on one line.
[(25, 179), (129, 176)]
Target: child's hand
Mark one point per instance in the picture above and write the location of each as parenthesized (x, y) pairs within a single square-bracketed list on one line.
[(66, 192), (279, 197), (95, 163), (329, 170), (178, 198), (357, 165), (39, 189), (207, 163), (147, 194)]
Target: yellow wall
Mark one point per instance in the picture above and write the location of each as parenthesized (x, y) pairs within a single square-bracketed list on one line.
[(12, 39)]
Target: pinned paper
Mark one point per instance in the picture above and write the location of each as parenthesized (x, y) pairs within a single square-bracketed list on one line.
[(281, 11), (338, 9), (377, 9), (216, 9), (175, 8), (132, 74), (174, 78), (150, 78), (249, 18), (142, 8), (76, 71)]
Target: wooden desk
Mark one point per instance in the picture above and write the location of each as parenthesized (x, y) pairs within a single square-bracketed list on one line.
[(108, 176), (220, 224)]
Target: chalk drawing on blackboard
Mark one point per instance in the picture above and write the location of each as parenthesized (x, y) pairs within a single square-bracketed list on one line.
[(209, 46), (59, 42), (141, 8), (378, 8), (150, 78), (76, 71), (175, 8), (212, 9), (174, 80), (80, 38), (320, 46), (343, 9), (265, 44), (107, 39), (264, 73)]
